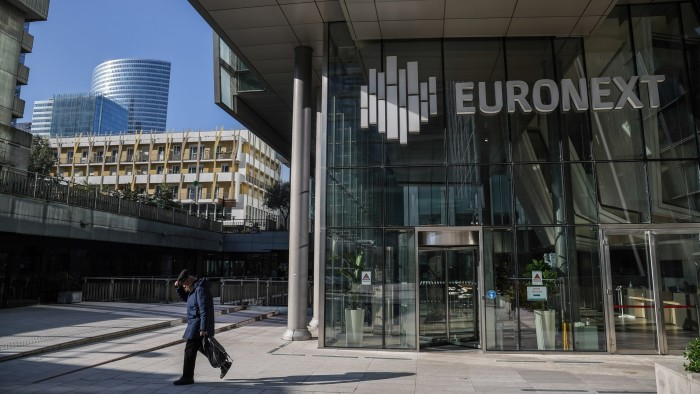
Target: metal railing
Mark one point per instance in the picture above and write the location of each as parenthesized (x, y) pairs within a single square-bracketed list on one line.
[(136, 289), (239, 291), (257, 291), (61, 191)]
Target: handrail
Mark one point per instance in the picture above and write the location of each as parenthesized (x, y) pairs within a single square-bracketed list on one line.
[(62, 191)]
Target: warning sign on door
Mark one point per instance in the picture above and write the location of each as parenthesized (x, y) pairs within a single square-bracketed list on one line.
[(537, 278), (366, 277)]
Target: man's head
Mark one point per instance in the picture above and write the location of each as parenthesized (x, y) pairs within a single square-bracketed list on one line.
[(186, 280)]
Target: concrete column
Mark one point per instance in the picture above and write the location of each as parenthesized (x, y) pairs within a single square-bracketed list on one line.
[(297, 329), (319, 208)]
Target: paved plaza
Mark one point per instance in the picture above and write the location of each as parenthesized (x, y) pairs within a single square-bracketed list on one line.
[(136, 348)]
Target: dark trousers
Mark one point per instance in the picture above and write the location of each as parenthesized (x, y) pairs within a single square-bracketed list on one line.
[(191, 348)]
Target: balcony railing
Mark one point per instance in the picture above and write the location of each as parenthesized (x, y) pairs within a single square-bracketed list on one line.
[(18, 107), (27, 42), (61, 191), (22, 74)]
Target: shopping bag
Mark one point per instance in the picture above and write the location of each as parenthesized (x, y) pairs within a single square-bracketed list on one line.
[(214, 351)]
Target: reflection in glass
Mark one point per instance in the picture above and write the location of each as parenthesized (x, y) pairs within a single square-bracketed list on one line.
[(415, 196), (657, 40), (633, 296), (675, 188), (679, 287), (539, 194), (353, 197), (617, 134), (400, 290), (474, 138), (352, 304), (622, 193), (479, 195), (500, 312)]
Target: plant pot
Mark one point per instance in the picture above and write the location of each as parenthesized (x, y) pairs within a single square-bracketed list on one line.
[(545, 329), (69, 297), (354, 323)]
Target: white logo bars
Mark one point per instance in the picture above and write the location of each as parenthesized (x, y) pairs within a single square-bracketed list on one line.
[(396, 102)]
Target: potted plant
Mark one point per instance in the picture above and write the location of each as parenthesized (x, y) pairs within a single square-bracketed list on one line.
[(354, 314), (70, 293), (545, 318)]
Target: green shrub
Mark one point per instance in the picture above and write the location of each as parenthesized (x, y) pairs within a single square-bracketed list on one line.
[(692, 354)]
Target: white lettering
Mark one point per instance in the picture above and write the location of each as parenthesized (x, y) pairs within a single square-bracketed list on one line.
[(537, 96), (568, 92), (463, 96), (597, 94), (627, 90), (512, 97), (594, 95), (498, 98), (653, 82)]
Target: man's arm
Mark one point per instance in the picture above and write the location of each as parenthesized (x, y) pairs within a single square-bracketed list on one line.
[(204, 315), (180, 291)]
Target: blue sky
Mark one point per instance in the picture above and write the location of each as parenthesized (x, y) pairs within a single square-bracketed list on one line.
[(80, 34)]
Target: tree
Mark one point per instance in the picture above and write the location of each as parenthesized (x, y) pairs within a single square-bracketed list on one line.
[(277, 197), (165, 196), (41, 156)]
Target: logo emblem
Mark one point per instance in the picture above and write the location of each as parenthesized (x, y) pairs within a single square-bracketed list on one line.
[(396, 102)]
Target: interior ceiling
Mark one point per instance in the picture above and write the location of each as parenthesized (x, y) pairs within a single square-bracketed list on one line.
[(264, 33)]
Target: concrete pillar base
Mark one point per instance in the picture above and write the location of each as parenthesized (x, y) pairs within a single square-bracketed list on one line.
[(313, 324), (298, 334)]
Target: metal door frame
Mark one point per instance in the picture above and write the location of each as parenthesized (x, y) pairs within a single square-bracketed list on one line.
[(479, 274), (649, 233)]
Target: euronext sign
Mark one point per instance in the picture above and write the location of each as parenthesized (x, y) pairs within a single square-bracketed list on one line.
[(595, 94)]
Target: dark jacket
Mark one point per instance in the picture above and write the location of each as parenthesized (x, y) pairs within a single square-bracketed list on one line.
[(200, 309)]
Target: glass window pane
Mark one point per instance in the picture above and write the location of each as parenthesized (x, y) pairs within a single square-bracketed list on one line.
[(353, 197), (617, 134), (587, 319), (691, 26), (415, 196), (475, 138), (535, 136), (575, 126), (623, 193), (400, 289), (500, 316), (348, 144), (657, 40), (351, 307), (542, 249), (538, 194), (479, 195), (582, 194), (675, 188)]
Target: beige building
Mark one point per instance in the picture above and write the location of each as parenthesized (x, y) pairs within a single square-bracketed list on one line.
[(224, 172)]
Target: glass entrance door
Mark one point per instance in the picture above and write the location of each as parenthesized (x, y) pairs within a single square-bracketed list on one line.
[(448, 312), (653, 290)]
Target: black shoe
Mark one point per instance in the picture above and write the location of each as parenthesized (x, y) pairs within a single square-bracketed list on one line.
[(183, 381), (224, 369)]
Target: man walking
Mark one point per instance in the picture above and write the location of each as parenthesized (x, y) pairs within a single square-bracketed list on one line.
[(200, 321)]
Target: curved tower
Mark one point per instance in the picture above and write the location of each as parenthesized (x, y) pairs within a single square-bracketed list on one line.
[(139, 85)]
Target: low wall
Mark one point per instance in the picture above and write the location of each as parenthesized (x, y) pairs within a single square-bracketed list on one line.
[(671, 378)]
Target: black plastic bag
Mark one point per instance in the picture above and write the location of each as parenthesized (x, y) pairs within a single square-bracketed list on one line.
[(214, 351)]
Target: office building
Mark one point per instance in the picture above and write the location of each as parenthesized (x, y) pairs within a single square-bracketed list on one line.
[(223, 173), (512, 175), (15, 42), (73, 114), (139, 85), (41, 117)]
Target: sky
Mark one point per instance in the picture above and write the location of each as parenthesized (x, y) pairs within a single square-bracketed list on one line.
[(80, 34)]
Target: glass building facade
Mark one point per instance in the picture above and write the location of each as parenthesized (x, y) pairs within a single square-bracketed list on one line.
[(139, 85), (560, 213), (75, 114)]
